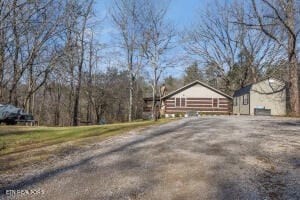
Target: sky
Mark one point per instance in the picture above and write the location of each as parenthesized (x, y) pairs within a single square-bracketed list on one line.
[(181, 13)]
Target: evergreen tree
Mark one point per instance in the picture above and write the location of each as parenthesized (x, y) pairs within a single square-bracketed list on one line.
[(192, 73)]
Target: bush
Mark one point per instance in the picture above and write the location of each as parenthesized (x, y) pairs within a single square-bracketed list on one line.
[(179, 114)]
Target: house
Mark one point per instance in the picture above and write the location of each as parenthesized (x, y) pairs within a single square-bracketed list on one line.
[(268, 95), (197, 97), (147, 107)]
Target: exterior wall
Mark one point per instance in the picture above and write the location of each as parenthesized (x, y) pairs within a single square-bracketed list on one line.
[(203, 105), (198, 91), (240, 107), (147, 108), (274, 101), (197, 98), (235, 106)]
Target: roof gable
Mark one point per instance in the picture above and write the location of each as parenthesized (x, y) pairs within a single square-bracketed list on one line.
[(242, 91), (194, 83), (246, 90)]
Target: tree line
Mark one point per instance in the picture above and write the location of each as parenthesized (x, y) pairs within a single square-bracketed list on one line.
[(51, 59)]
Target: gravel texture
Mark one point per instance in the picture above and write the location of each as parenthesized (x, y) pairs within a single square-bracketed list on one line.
[(218, 157)]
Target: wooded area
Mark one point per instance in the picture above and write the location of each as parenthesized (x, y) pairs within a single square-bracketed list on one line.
[(51, 59)]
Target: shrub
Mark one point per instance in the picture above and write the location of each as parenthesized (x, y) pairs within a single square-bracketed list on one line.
[(177, 114)]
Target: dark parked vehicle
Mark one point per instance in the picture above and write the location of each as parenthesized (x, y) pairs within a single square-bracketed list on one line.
[(10, 114)]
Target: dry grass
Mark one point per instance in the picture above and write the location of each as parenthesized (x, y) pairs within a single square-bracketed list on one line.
[(23, 146)]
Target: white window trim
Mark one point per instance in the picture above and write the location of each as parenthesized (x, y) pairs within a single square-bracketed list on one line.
[(180, 102), (246, 95)]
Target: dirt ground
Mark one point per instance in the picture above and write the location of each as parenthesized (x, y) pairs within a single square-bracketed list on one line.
[(220, 157)]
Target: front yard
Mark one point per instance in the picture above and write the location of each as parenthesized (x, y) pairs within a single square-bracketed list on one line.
[(22, 146)]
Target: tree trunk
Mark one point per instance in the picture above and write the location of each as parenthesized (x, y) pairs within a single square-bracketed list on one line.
[(89, 89), (131, 79), (293, 84), (57, 107), (76, 119), (293, 67), (154, 115), (130, 97), (28, 100), (2, 63), (76, 114), (71, 96), (13, 90), (42, 106)]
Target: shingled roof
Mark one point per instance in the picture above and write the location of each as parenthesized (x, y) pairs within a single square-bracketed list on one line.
[(242, 91)]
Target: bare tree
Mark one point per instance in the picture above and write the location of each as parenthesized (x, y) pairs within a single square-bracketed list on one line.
[(279, 20), (4, 13), (158, 35), (258, 52), (233, 54), (91, 64), (30, 36), (31, 26), (85, 16), (213, 40), (78, 13), (126, 15)]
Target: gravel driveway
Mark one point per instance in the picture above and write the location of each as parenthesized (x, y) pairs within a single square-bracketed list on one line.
[(196, 158)]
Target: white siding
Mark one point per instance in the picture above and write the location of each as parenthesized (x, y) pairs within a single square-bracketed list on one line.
[(240, 108), (198, 91), (276, 101)]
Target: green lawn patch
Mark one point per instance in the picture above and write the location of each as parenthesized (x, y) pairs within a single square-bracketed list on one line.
[(20, 145)]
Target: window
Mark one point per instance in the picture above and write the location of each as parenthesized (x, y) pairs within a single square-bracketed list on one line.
[(177, 102), (180, 102), (215, 102), (246, 99)]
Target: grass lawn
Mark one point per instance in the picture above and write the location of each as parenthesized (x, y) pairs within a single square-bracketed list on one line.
[(21, 146)]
